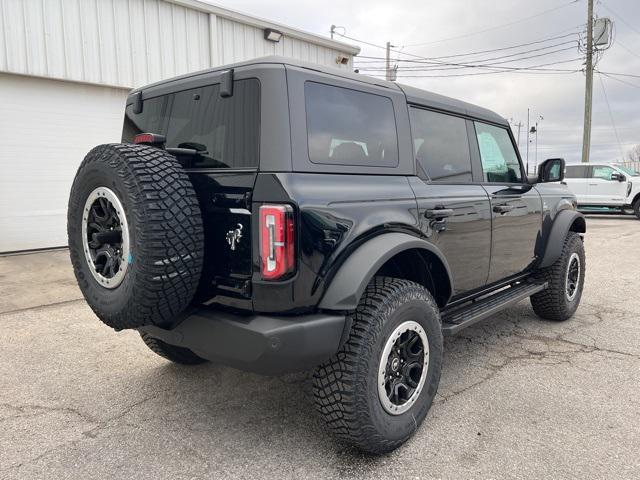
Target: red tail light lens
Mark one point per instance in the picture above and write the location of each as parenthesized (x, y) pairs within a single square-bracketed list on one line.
[(277, 244), (149, 138)]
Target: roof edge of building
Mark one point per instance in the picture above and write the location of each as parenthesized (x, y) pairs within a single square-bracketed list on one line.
[(264, 23)]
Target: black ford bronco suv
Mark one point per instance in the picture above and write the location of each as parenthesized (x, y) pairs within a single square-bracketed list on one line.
[(277, 216)]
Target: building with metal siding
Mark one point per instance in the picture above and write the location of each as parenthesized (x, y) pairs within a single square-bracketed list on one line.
[(66, 67)]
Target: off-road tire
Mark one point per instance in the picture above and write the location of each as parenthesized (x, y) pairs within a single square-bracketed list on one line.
[(165, 233), (346, 386), (636, 208), (552, 303), (180, 355)]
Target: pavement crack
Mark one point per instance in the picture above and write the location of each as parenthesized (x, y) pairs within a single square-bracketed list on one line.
[(41, 307), (90, 433), (35, 410)]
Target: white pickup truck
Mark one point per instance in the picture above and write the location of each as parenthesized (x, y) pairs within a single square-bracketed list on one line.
[(605, 185)]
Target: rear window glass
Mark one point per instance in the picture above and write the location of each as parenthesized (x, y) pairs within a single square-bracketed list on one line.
[(441, 145), (348, 127), (577, 171), (224, 131)]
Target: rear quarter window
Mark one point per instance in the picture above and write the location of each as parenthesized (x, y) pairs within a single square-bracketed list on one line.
[(224, 130), (576, 171), (441, 146), (350, 127)]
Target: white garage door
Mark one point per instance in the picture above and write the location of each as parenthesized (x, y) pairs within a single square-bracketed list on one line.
[(46, 128)]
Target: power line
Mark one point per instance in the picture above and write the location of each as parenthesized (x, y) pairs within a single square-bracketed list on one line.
[(620, 74), (466, 35), (620, 80), (483, 60), (628, 49), (414, 56), (621, 19), (529, 69), (613, 123), (426, 66), (491, 50)]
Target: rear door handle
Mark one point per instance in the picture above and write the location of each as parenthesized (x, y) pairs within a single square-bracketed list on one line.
[(438, 212), (502, 208), (593, 184)]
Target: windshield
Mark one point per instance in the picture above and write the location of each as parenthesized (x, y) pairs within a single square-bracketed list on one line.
[(628, 170)]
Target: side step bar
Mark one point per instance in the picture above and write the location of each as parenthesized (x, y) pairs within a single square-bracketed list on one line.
[(474, 311)]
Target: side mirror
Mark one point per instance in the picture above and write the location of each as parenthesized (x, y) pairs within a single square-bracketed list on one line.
[(618, 176), (551, 170)]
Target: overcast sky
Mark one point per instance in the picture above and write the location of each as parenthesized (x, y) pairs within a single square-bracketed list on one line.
[(480, 25)]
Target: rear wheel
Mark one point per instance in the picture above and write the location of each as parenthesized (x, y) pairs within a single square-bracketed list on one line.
[(379, 387), (180, 355), (565, 280)]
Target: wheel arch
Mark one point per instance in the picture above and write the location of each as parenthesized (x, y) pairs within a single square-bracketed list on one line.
[(566, 221), (395, 254)]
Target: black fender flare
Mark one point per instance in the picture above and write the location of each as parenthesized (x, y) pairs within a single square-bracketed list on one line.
[(563, 222), (353, 276)]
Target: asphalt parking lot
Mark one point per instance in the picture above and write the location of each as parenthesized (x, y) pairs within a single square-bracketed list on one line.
[(519, 397)]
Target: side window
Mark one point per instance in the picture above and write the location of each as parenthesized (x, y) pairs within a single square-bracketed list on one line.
[(225, 131), (499, 159), (576, 171), (602, 172), (441, 146), (349, 127)]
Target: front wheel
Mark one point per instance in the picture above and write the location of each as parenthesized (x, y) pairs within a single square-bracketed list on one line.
[(636, 208), (376, 391), (565, 280)]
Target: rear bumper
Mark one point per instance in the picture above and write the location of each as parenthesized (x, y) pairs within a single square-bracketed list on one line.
[(258, 343)]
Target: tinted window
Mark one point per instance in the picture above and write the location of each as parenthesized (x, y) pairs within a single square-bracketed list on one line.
[(348, 127), (576, 171), (499, 159), (225, 131), (601, 172), (441, 145)]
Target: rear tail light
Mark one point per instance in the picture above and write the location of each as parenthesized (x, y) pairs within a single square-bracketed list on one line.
[(277, 244), (149, 139)]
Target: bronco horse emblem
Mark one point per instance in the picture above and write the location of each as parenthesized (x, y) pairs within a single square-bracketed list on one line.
[(234, 236)]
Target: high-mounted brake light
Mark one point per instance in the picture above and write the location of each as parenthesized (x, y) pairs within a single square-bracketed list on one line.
[(277, 244), (149, 139)]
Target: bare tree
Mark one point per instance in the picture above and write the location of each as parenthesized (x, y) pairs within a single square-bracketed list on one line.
[(633, 155)]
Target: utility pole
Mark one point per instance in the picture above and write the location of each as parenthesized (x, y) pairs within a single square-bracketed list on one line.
[(333, 29), (588, 93), (534, 129), (528, 141), (387, 67), (519, 125)]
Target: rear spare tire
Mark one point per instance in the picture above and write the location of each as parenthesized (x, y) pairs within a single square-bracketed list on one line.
[(135, 235)]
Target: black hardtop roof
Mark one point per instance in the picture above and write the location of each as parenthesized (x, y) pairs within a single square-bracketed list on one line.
[(414, 95), (440, 102)]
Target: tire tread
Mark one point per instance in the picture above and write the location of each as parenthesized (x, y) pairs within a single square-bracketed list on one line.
[(551, 303), (168, 231), (339, 387)]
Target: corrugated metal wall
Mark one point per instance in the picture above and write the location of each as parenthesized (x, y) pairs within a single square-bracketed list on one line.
[(129, 43), (238, 41)]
